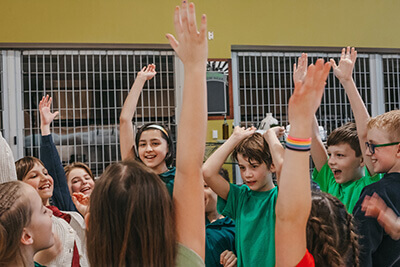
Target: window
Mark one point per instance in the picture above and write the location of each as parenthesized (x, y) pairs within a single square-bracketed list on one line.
[(391, 78), (265, 84), (89, 89)]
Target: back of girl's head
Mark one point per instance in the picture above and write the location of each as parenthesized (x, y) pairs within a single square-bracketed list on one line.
[(331, 237), (15, 214), (254, 148), (24, 165), (165, 133), (131, 220), (80, 165)]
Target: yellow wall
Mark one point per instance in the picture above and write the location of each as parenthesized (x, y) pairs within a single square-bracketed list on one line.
[(361, 23)]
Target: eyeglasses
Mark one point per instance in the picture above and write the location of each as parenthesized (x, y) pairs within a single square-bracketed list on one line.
[(372, 147)]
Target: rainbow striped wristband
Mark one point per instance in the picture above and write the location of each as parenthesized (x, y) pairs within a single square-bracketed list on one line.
[(298, 144)]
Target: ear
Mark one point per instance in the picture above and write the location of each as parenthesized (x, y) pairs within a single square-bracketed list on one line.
[(272, 168), (87, 220), (26, 237), (362, 163)]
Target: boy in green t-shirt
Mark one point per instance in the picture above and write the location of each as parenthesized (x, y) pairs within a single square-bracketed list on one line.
[(342, 170), (252, 205)]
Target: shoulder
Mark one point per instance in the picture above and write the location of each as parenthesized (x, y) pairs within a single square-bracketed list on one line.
[(187, 257)]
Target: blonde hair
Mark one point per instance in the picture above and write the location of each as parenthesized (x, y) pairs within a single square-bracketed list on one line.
[(389, 122)]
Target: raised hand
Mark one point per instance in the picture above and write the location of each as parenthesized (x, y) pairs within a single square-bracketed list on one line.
[(81, 202), (344, 71), (46, 116), (307, 95), (300, 71), (241, 132), (188, 38), (278, 130), (148, 72)]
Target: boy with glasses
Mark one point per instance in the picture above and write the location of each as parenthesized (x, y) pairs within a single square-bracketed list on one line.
[(378, 248)]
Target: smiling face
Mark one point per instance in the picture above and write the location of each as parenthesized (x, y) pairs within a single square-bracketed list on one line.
[(385, 159), (153, 149), (255, 175), (41, 181), (40, 226), (80, 181), (344, 164)]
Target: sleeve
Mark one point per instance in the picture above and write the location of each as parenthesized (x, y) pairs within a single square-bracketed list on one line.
[(371, 233), (324, 177), (7, 164), (49, 155), (229, 206)]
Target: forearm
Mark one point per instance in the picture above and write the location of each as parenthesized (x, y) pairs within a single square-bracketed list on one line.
[(52, 162), (318, 151), (277, 151)]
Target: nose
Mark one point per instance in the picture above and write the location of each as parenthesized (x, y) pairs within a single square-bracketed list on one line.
[(149, 147), (331, 160), (248, 173)]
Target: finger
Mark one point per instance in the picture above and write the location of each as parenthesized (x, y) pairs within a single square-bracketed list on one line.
[(353, 54), (294, 67), (173, 42), (343, 53), (55, 114), (348, 52), (203, 27), (184, 17), (192, 19), (177, 21), (50, 101), (233, 263), (306, 59), (334, 66)]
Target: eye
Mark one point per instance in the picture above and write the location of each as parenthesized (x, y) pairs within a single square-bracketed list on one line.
[(340, 155), (329, 154), (142, 145), (254, 166), (156, 143), (241, 168)]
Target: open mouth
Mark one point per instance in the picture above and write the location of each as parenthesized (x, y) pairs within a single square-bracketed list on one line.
[(86, 189), (150, 156), (44, 187), (250, 183), (336, 173)]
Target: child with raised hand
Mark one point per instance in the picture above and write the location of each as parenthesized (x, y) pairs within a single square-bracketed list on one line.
[(339, 170), (383, 148), (152, 144), (252, 205), (25, 224), (71, 183), (374, 206), (132, 221), (311, 230)]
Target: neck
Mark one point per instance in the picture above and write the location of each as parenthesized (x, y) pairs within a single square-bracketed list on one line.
[(46, 202), (19, 261), (212, 216), (396, 167), (161, 168)]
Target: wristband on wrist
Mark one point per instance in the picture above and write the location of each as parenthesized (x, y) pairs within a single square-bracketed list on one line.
[(298, 144)]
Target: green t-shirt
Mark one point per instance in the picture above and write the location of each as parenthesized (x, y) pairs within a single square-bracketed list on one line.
[(348, 193), (254, 215), (187, 257)]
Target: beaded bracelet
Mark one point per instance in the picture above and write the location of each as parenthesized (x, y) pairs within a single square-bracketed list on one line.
[(298, 144)]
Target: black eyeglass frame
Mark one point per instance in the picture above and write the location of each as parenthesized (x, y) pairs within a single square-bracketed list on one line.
[(372, 147)]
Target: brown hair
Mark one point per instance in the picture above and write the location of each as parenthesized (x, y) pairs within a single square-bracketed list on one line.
[(15, 214), (331, 237), (389, 122), (254, 148), (131, 220), (80, 165), (346, 134), (24, 165)]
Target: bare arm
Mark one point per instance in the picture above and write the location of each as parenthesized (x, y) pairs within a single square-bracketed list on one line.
[(294, 197), (318, 150), (276, 148), (214, 163), (126, 134), (344, 72), (192, 49)]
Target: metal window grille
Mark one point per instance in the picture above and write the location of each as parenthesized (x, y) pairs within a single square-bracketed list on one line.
[(265, 84), (89, 89), (391, 74)]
